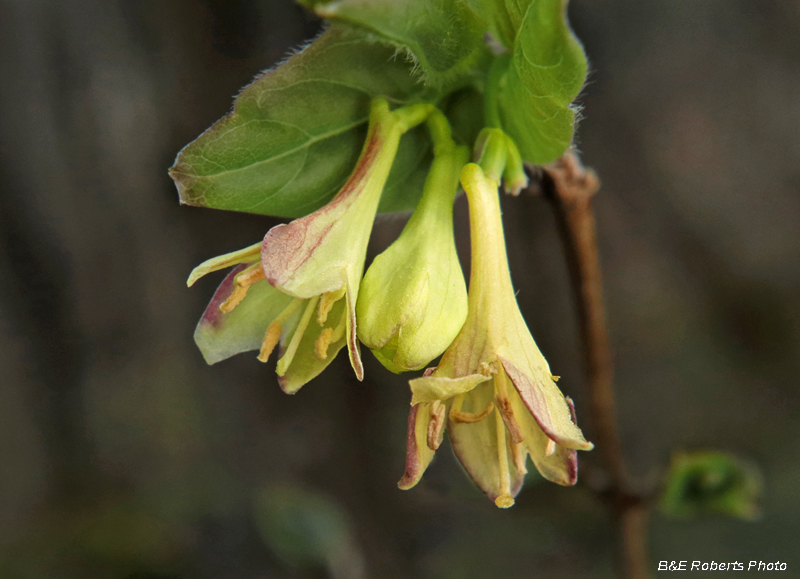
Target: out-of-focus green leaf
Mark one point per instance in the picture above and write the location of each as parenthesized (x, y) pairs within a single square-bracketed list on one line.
[(545, 73), (308, 530), (295, 133), (444, 37), (711, 482)]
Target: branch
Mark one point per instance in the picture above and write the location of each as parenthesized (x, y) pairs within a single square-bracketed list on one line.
[(570, 187)]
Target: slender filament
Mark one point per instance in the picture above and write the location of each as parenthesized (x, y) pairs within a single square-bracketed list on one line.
[(504, 499), (283, 363)]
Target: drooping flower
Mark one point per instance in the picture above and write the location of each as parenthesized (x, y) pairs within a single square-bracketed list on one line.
[(492, 387), (247, 313), (308, 270), (413, 299)]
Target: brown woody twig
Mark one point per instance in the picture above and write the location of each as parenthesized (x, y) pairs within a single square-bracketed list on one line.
[(570, 187)]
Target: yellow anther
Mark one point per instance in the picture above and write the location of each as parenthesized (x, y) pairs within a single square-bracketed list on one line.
[(271, 339), (326, 303), (554, 378), (468, 417), (435, 425), (241, 284), (322, 343), (234, 299), (550, 448), (275, 329), (251, 275), (485, 369)]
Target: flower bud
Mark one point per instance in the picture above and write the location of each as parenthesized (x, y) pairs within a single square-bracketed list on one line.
[(413, 298)]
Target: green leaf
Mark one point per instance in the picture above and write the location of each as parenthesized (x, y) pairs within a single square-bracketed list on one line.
[(712, 482), (444, 37), (502, 17), (296, 132), (308, 530), (545, 73)]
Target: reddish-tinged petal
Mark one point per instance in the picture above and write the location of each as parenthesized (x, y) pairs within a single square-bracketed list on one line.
[(546, 403), (287, 247), (476, 445), (418, 454), (212, 315), (221, 335), (353, 348), (430, 388), (561, 466)]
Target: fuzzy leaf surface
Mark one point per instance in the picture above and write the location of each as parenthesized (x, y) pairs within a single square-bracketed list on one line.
[(445, 37), (296, 132), (546, 72)]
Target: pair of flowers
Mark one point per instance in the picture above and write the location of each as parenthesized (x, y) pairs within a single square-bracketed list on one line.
[(302, 289)]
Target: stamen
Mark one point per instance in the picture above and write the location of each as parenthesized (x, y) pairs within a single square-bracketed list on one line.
[(555, 378), (436, 424), (236, 297), (550, 448), (519, 457), (271, 339), (275, 329), (251, 275), (329, 336), (283, 363), (504, 407), (485, 369), (322, 343), (468, 417), (242, 283), (326, 303), (504, 500)]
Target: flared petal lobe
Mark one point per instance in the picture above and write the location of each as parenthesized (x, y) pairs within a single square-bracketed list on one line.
[(220, 335)]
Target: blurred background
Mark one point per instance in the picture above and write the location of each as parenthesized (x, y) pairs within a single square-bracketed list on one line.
[(122, 455)]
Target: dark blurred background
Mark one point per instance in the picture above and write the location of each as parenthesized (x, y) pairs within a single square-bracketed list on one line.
[(122, 455)]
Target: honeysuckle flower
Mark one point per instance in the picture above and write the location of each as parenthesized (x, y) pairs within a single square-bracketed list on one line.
[(247, 313), (307, 272), (492, 387), (413, 299)]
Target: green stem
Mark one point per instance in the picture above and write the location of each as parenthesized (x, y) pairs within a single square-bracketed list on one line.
[(493, 153), (491, 102)]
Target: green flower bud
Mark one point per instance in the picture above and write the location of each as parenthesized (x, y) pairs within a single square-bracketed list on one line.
[(413, 299)]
